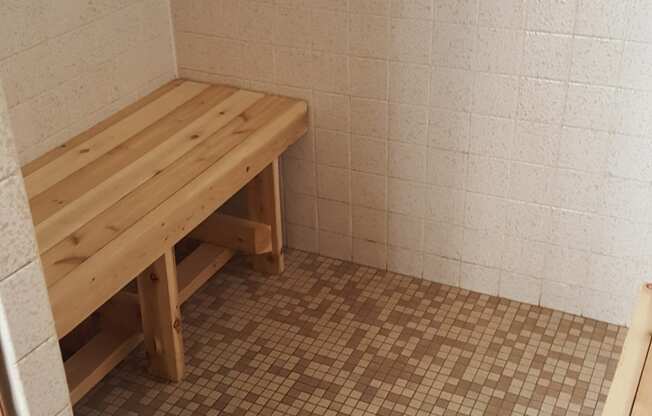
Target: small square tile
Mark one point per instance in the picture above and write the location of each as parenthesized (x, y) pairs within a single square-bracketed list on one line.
[(328, 335)]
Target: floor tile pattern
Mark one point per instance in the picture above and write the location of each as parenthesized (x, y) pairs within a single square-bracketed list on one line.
[(329, 337)]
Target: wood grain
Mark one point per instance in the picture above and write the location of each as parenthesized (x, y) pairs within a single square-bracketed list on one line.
[(643, 401), (60, 195), (122, 182), (113, 201), (81, 138), (76, 157), (264, 205), (235, 233)]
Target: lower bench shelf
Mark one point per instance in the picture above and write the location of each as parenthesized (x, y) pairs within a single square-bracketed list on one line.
[(94, 361), (121, 322), (630, 393)]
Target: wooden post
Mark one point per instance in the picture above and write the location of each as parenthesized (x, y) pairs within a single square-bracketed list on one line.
[(159, 305), (264, 206)]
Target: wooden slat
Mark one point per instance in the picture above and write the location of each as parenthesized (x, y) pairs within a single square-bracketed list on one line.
[(111, 268), (81, 138), (199, 266), (158, 294), (90, 176), (264, 205), (85, 242), (643, 401), (95, 201), (77, 157), (238, 234), (94, 361), (632, 359)]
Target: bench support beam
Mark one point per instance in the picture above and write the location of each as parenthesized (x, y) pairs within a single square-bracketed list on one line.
[(159, 306), (264, 206), (239, 234)]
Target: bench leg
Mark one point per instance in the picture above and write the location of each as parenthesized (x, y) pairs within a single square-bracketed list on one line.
[(264, 205), (159, 305)]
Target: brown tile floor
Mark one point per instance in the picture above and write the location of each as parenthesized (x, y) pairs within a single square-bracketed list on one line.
[(332, 338)]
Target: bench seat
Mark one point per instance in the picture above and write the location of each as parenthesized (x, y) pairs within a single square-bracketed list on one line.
[(109, 205)]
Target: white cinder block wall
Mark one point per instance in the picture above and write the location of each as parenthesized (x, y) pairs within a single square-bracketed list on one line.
[(504, 146), (29, 343), (67, 64)]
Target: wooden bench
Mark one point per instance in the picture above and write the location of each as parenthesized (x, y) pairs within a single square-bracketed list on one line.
[(110, 205), (630, 393)]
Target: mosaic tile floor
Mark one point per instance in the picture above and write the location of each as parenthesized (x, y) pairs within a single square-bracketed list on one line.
[(332, 338)]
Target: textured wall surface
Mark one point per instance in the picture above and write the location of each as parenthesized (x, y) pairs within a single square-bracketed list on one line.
[(498, 145), (67, 64), (29, 343)]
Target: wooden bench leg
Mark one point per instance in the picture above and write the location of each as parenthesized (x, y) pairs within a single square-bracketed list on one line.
[(159, 305), (264, 205)]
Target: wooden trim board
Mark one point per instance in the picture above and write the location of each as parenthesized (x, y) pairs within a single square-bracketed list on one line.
[(643, 400)]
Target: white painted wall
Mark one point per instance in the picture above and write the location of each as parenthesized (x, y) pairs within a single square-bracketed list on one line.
[(504, 146)]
